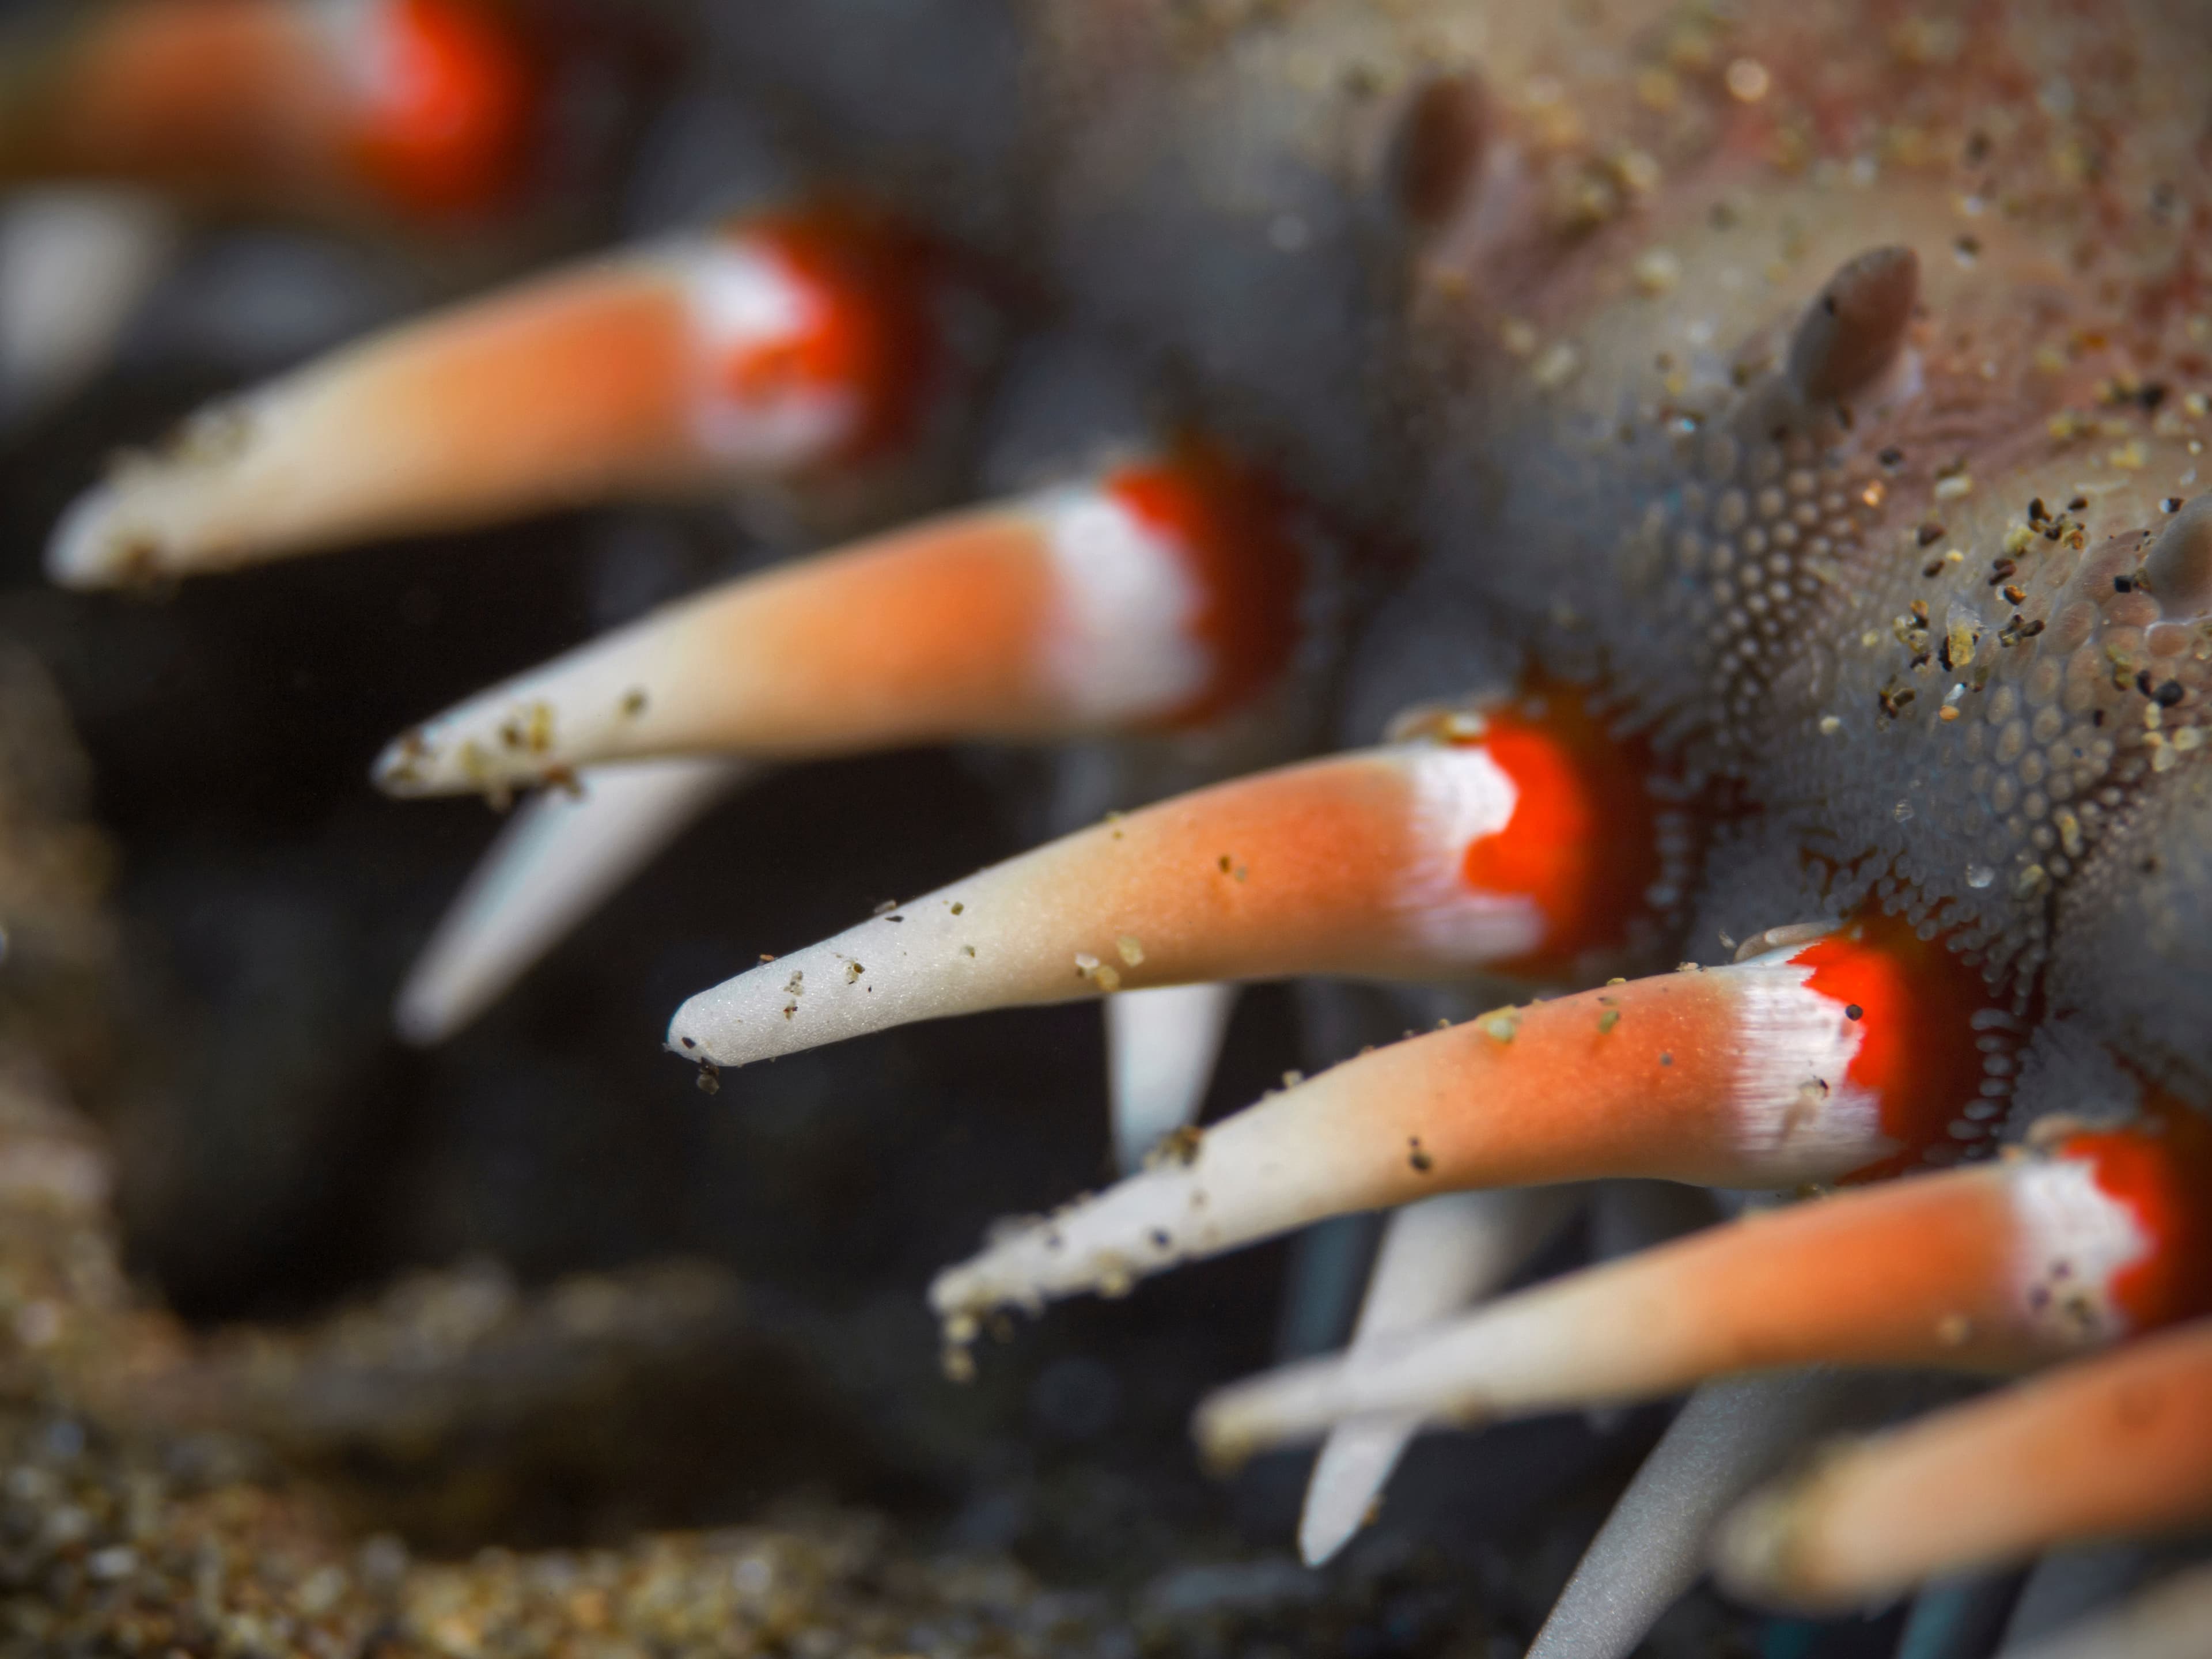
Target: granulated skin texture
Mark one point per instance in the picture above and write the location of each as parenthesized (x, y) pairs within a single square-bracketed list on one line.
[(1820, 391)]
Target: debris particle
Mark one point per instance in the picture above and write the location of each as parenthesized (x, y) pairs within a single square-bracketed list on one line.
[(710, 1078), (1960, 637), (1747, 80), (1500, 1025), (1606, 1020), (1418, 1158), (1657, 273), (1561, 363), (1177, 1147), (1132, 951)]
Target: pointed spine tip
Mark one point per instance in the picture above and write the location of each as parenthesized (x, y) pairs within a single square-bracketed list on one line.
[(396, 771), (1437, 152), (1854, 330), (1336, 1510), (84, 552), (683, 1039), (2178, 570), (419, 1020), (1754, 1551)]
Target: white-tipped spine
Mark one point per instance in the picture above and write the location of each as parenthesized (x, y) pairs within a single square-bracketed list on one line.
[(1543, 1349), (587, 702), (959, 950), (74, 267), (1279, 1165), (1161, 1047), (344, 447), (562, 857), (235, 478), (1437, 1257), (1731, 1435)]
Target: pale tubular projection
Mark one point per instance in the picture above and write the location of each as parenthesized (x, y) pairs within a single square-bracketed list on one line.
[(776, 350), (425, 112), (1159, 594), (563, 856), (1161, 1047), (1988, 1269), (1844, 1052), (1423, 860), (75, 266), (1437, 1257), (2114, 1446), (1730, 1435)]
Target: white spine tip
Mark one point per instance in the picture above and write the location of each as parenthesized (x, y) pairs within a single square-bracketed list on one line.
[(1347, 1483), (395, 771), (1161, 1047), (423, 1016), (88, 549), (1751, 1548), (557, 860), (686, 1031)]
